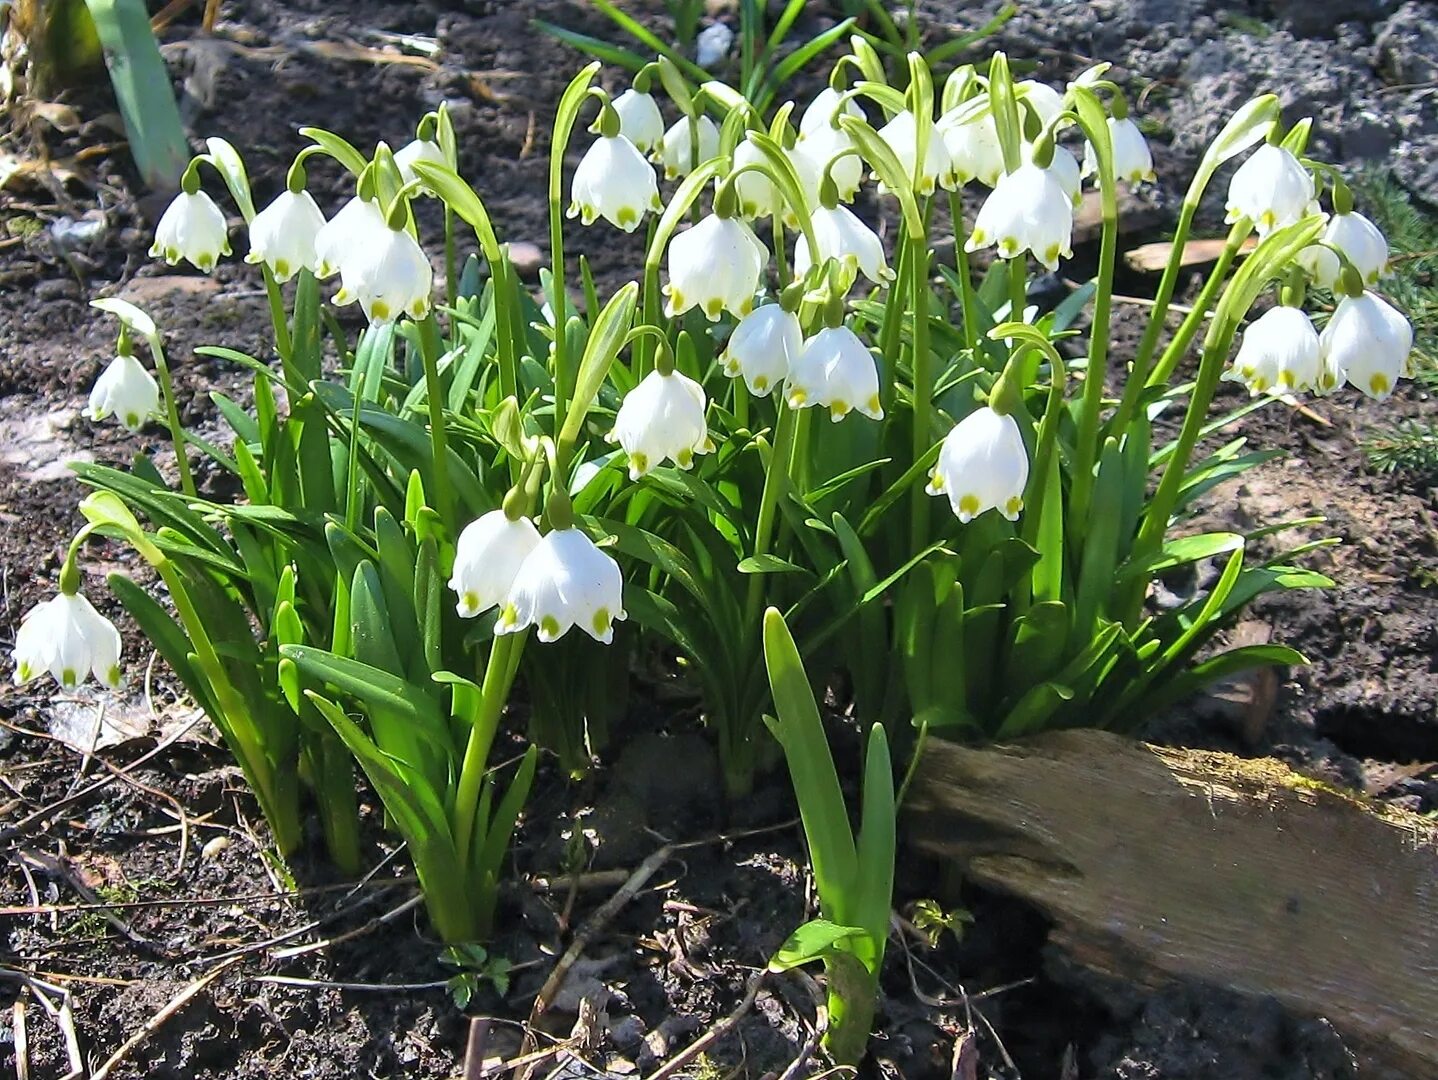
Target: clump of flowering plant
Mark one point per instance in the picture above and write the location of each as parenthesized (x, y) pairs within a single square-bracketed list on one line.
[(477, 484)]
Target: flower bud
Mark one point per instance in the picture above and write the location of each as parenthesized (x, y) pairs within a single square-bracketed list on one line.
[(835, 370), (487, 556), (67, 637), (613, 181), (282, 235), (192, 228), (763, 348), (715, 266), (983, 465), (662, 417), (128, 391), (565, 581)]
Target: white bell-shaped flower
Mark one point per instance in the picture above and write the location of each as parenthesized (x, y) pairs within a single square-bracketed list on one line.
[(834, 369), (1271, 188), (1367, 342), (823, 109), (1028, 211), (902, 136), (758, 197), (347, 235), (715, 266), (662, 417), (389, 279), (814, 151), (640, 120), (565, 581), (1359, 240), (975, 152), (417, 150), (192, 228), (1065, 169), (613, 181), (843, 237), (1047, 102), (763, 348), (127, 391), (1132, 160), (487, 557), (982, 465), (282, 235), (67, 637), (676, 151), (1278, 353)]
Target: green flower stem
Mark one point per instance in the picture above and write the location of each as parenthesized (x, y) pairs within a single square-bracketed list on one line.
[(499, 672), (283, 344), (968, 303), (891, 333), (1188, 330), (1149, 343), (1086, 453), (918, 288), (429, 347), (451, 271), (172, 411), (776, 477)]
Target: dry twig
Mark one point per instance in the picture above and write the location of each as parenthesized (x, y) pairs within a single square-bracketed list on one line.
[(715, 1033), (178, 1002)]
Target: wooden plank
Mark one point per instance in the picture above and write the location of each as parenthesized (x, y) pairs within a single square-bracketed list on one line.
[(1159, 864)]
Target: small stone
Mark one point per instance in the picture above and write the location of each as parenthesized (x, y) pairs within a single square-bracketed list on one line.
[(526, 258), (214, 848)]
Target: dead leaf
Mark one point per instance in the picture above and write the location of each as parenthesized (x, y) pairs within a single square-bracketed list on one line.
[(1151, 258), (61, 117)]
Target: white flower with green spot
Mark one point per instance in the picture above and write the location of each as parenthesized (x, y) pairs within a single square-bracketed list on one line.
[(1278, 354), (763, 348), (640, 120), (676, 150), (347, 235), (1028, 210), (1361, 242), (662, 418), (613, 181), (1272, 189), (487, 557), (67, 637), (902, 136), (843, 237), (823, 110), (392, 277), (283, 234), (565, 581), (835, 369), (975, 152), (816, 150), (716, 267), (1367, 342), (983, 465), (417, 150), (758, 197), (1132, 160), (192, 228), (126, 391)]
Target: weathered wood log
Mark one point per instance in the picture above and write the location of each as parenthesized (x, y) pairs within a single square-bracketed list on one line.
[(1157, 864)]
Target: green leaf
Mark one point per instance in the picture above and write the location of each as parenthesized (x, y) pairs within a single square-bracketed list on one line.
[(337, 148), (769, 564), (815, 940)]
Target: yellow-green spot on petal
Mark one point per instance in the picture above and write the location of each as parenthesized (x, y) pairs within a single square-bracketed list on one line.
[(282, 268), (67, 677), (1379, 383), (1051, 254), (601, 621), (1286, 380), (549, 627), (684, 458), (969, 504), (979, 238), (132, 420), (509, 617), (712, 308), (639, 462), (627, 217), (761, 383), (797, 398), (379, 310), (113, 675), (874, 406), (1012, 507), (470, 601)]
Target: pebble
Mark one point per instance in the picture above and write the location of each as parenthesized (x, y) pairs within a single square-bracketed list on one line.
[(214, 847), (526, 258)]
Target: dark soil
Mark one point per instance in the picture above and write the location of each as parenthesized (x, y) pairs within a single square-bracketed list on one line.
[(176, 847)]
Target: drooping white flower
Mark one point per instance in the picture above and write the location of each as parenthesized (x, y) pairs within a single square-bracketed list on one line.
[(1065, 169), (816, 150), (347, 235), (821, 111), (902, 136), (662, 417), (640, 120), (1367, 342), (1046, 101), (613, 181), (758, 197), (1359, 240), (417, 150), (1278, 353), (487, 557), (1027, 211), (1132, 160), (1271, 188), (192, 228), (842, 236), (67, 637), (763, 348), (392, 277), (565, 581), (126, 390), (834, 369), (676, 152), (282, 235), (715, 266), (982, 465), (975, 152)]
